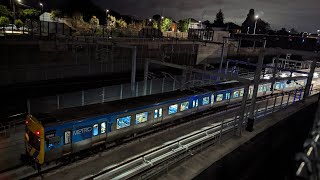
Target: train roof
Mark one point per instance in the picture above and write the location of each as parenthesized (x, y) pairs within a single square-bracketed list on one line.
[(82, 112)]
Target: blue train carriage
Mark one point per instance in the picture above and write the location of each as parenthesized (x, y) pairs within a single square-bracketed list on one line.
[(72, 130)]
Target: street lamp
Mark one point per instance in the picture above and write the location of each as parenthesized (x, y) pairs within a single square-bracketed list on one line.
[(107, 11), (41, 6), (255, 24), (162, 17)]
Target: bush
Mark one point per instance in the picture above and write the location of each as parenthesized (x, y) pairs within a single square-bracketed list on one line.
[(18, 23), (4, 21)]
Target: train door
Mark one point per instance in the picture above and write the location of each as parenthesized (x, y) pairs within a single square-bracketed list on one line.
[(67, 142)]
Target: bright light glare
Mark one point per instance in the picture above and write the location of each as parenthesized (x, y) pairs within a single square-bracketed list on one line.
[(257, 16), (283, 75), (40, 4)]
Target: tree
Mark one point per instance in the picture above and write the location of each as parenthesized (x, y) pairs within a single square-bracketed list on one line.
[(183, 25), (94, 21), (55, 14), (218, 22), (121, 23), (293, 31), (4, 11), (248, 25), (18, 23), (155, 24), (206, 23), (111, 21), (4, 21), (156, 17), (32, 14), (262, 27), (231, 25), (165, 24), (283, 31), (249, 22)]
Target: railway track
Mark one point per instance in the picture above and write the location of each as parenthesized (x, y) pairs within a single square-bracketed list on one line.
[(113, 146)]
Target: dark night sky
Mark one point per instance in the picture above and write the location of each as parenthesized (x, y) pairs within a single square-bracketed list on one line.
[(303, 15)]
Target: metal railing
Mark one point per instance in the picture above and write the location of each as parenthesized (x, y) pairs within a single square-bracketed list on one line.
[(308, 166), (160, 159)]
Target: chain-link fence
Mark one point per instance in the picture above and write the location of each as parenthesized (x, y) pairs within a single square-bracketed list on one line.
[(116, 92)]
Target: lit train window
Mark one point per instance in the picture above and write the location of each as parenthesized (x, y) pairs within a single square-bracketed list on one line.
[(227, 95), (157, 113), (195, 103), (184, 106), (67, 137), (241, 93), (95, 130), (264, 88), (212, 99), (235, 94), (103, 128), (173, 109), (219, 97), (141, 117), (205, 100), (123, 122)]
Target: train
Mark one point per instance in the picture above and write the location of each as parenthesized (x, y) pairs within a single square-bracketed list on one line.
[(59, 134)]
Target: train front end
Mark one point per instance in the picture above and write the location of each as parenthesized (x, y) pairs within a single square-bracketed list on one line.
[(34, 140)]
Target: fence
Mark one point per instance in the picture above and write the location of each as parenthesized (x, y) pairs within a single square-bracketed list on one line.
[(308, 167), (112, 93), (38, 29)]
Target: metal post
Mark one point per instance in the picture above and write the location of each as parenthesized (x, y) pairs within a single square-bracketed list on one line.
[(264, 43), (58, 102), (226, 71), (222, 56), (133, 70), (150, 91), (174, 84), (255, 91), (275, 72), (239, 46), (288, 98), (310, 77), (274, 103), (162, 89), (221, 128), (281, 100), (265, 110), (243, 109), (295, 95), (103, 89), (121, 91), (82, 99), (145, 79), (28, 106), (137, 89), (184, 79)]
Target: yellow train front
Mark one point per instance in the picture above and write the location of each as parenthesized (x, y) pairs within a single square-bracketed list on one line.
[(34, 141)]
